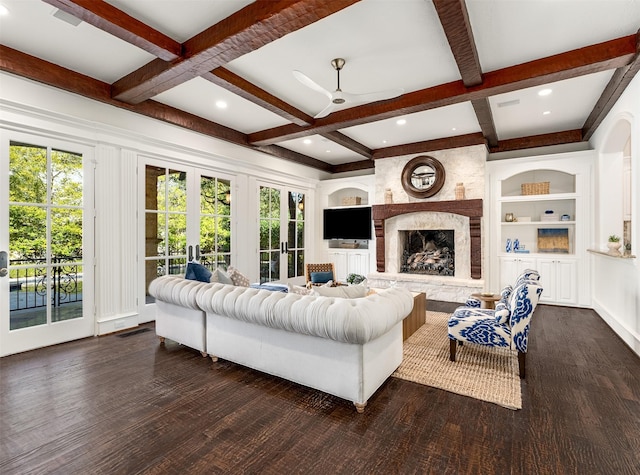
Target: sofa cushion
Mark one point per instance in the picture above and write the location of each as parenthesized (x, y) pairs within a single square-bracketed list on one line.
[(342, 291), (237, 277), (196, 271), (321, 277), (220, 276)]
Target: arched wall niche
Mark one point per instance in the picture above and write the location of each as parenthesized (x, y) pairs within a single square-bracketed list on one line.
[(615, 184)]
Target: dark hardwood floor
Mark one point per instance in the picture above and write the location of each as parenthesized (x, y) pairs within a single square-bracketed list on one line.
[(125, 405)]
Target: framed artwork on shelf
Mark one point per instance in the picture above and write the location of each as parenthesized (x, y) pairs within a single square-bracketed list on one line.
[(553, 240)]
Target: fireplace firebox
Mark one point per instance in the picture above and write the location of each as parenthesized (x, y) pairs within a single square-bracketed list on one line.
[(428, 252)]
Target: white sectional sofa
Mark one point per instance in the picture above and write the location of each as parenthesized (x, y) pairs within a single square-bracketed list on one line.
[(345, 347)]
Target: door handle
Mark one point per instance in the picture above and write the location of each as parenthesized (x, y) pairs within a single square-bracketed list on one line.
[(4, 263), (190, 253), (197, 252)]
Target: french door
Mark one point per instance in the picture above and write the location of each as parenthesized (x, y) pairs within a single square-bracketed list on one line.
[(187, 216), (282, 233), (46, 242)]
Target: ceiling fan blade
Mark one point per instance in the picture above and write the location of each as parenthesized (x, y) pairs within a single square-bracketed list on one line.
[(326, 111), (373, 96), (307, 81)]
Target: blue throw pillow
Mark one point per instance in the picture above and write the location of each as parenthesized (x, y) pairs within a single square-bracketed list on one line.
[(321, 277), (197, 272)]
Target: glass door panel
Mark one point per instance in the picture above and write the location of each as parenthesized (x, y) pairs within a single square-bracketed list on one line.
[(47, 239), (215, 223), (281, 256), (187, 217)]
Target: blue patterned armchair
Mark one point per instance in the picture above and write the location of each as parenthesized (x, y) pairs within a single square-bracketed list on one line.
[(506, 326)]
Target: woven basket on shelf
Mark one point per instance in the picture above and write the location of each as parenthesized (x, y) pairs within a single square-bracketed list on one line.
[(351, 200), (540, 188)]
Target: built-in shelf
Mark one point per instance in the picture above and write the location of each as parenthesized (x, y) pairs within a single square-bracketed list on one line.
[(608, 254), (538, 223)]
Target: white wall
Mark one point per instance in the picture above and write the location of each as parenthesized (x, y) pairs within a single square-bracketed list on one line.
[(616, 281), (119, 139)]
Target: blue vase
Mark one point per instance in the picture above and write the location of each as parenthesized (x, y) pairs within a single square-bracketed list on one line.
[(508, 246), (516, 245)]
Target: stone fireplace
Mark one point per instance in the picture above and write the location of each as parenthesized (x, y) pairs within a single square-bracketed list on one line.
[(454, 225)]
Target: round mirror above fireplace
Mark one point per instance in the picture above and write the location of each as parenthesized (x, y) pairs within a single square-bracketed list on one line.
[(423, 177)]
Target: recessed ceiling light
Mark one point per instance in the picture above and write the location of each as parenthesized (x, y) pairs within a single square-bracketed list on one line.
[(328, 151), (384, 141), (544, 92), (221, 104), (3, 10), (453, 128), (306, 141), (401, 121), (546, 113)]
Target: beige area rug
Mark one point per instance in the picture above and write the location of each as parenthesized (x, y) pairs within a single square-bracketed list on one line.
[(488, 374)]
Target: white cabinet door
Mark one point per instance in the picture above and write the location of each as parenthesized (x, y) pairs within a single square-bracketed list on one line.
[(566, 281), (511, 267), (559, 279), (358, 263), (548, 280), (339, 259)]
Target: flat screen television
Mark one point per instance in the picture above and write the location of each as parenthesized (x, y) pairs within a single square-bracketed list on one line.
[(347, 223)]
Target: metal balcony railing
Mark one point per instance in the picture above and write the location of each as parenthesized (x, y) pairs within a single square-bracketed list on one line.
[(30, 279)]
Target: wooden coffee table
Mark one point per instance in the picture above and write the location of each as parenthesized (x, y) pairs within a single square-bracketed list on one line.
[(487, 301), (416, 318)]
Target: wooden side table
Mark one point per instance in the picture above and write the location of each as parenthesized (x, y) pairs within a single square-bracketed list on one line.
[(487, 301), (417, 317)]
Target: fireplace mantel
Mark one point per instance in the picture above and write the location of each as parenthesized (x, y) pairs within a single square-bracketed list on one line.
[(469, 208)]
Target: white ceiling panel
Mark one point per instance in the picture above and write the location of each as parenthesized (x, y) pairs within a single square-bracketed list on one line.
[(510, 32), (201, 97), (322, 149), (382, 41), (180, 19), (458, 119), (525, 112), (30, 27)]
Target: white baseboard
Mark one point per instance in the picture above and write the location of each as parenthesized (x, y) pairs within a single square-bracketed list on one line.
[(630, 336)]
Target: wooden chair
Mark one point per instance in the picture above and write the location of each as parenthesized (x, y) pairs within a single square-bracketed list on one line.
[(325, 267)]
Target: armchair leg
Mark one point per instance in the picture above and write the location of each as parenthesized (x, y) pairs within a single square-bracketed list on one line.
[(452, 350), (522, 364)]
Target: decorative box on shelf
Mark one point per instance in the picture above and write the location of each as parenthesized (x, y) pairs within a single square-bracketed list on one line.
[(540, 188), (349, 245), (351, 200)]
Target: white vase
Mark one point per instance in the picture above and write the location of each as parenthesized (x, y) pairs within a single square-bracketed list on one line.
[(614, 247)]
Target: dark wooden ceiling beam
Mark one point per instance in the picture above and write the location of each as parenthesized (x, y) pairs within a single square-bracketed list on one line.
[(232, 82), (590, 59), (457, 28), (252, 27), (349, 143), (612, 92), (108, 18), (466, 140), (353, 166), (286, 154), (483, 112), (542, 140)]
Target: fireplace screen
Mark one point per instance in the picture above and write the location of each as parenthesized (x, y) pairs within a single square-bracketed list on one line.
[(430, 252)]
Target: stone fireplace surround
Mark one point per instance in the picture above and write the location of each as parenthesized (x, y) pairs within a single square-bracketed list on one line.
[(463, 215)]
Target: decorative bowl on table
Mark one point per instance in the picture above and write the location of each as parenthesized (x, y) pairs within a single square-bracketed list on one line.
[(487, 294)]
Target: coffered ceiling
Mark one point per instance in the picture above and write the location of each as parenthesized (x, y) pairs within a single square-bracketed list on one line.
[(471, 71)]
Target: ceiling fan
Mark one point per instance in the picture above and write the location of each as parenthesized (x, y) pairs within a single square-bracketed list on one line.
[(337, 98)]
